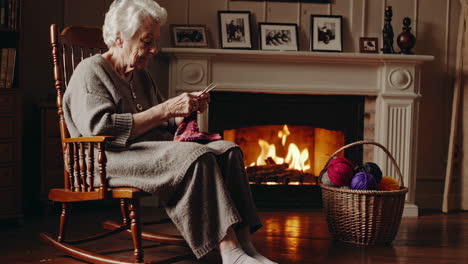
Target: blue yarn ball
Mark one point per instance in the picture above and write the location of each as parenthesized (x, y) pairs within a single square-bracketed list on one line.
[(363, 181)]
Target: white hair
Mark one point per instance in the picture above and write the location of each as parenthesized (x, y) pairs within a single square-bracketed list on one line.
[(125, 17)]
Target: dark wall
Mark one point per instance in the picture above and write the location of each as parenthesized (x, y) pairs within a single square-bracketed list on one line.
[(36, 83)]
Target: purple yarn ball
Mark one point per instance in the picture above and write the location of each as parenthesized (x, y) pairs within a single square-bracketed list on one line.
[(363, 181)]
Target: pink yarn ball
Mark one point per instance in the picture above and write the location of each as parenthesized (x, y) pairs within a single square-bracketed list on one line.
[(340, 171)]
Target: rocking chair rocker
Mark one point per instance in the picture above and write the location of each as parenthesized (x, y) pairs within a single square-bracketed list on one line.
[(77, 43)]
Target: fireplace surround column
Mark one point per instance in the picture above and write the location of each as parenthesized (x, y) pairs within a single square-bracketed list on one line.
[(396, 123), (393, 79)]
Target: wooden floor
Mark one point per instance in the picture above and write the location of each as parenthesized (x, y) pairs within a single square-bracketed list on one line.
[(287, 237)]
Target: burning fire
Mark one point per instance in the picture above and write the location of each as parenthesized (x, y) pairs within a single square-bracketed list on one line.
[(296, 158)]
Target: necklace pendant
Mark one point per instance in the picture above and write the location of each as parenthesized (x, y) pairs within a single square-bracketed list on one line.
[(139, 107)]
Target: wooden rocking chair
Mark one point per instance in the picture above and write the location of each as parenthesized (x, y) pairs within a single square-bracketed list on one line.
[(77, 43)]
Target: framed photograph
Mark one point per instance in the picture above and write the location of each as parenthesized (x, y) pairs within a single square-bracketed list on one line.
[(234, 30), (303, 1), (326, 33), (369, 45), (278, 36), (189, 35)]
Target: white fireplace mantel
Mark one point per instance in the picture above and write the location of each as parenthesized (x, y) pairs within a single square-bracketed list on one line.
[(393, 79)]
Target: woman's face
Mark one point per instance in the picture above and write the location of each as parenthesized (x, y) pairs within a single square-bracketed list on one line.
[(142, 46)]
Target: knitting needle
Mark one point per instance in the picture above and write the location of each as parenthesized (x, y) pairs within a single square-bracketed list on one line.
[(208, 88)]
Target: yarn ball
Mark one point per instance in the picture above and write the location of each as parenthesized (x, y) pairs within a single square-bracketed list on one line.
[(388, 184), (326, 180), (371, 168), (340, 171), (363, 181)]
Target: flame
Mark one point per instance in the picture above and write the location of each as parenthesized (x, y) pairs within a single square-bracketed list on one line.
[(283, 134), (267, 150), (296, 158)]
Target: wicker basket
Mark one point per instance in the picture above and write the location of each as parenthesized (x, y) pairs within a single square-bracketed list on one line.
[(364, 217)]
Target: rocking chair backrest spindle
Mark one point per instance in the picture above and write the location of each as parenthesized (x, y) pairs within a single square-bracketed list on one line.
[(72, 46)]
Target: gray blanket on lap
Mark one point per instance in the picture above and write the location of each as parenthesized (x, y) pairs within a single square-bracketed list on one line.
[(159, 166)]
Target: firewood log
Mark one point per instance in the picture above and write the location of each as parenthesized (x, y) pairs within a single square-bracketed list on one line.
[(270, 161), (262, 168)]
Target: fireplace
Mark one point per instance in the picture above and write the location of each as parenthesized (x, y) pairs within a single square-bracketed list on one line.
[(390, 81), (250, 117), (287, 139)]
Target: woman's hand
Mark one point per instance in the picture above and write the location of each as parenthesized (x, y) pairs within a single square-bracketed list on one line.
[(179, 107), (203, 101), (186, 103)]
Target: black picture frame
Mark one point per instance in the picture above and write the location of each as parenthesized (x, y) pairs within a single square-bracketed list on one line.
[(368, 45), (189, 35), (294, 1), (235, 31), (326, 33), (278, 36)]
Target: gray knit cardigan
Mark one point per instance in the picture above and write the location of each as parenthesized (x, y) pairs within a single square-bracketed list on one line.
[(99, 102)]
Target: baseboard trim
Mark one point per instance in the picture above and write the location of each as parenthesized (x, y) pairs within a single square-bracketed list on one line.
[(410, 210)]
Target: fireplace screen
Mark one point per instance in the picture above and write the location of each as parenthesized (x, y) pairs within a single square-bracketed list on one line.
[(285, 154)]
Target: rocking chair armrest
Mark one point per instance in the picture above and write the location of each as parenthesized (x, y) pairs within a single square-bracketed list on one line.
[(95, 139)]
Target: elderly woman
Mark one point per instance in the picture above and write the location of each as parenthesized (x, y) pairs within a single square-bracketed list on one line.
[(203, 187)]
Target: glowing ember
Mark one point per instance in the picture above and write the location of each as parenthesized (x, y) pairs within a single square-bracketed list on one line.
[(296, 158)]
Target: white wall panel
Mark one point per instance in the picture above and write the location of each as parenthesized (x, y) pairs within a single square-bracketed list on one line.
[(256, 8), (435, 104), (358, 18), (206, 12), (374, 18), (282, 12), (344, 8), (177, 11)]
